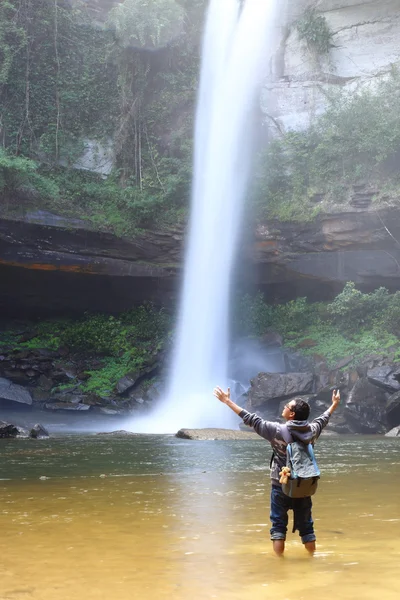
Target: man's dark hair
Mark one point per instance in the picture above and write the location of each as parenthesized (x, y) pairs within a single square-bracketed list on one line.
[(301, 409)]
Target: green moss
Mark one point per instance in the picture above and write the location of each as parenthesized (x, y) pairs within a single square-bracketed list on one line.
[(102, 381)]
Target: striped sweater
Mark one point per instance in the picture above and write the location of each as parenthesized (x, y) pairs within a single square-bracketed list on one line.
[(303, 431)]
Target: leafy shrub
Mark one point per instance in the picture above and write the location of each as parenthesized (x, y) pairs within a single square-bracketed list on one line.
[(147, 323), (18, 173), (112, 336), (293, 316), (353, 324), (98, 333), (352, 309), (314, 29), (391, 316), (102, 381)]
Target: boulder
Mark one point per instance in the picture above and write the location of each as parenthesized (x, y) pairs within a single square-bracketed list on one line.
[(130, 380), (14, 392), (66, 406), (111, 411), (39, 432), (9, 430), (342, 363), (144, 393), (273, 387), (383, 377), (365, 409), (216, 434), (341, 427), (365, 420), (127, 382), (16, 376), (120, 432), (395, 432), (393, 410)]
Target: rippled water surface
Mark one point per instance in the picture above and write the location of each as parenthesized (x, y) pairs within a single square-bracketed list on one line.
[(155, 517)]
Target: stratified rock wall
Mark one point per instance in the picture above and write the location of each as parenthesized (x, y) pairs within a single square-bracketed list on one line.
[(365, 47), (52, 265), (317, 258)]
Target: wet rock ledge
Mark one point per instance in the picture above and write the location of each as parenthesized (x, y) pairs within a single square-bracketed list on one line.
[(216, 434)]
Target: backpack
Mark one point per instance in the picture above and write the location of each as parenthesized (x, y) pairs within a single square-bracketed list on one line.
[(305, 473)]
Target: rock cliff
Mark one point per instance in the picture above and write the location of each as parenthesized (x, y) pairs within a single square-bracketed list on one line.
[(52, 264), (364, 48)]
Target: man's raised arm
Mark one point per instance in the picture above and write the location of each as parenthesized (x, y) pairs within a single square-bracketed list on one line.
[(225, 398), (320, 422), (265, 429)]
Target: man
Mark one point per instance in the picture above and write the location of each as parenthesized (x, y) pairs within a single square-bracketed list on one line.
[(295, 413)]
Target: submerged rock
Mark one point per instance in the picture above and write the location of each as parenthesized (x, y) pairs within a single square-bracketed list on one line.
[(9, 430), (395, 432), (38, 431), (119, 432), (216, 434)]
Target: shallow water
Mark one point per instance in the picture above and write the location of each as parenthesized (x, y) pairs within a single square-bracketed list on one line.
[(156, 517)]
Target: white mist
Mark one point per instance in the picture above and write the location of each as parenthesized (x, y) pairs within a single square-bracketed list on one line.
[(236, 52)]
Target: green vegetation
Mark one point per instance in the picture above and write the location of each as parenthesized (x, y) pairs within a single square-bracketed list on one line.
[(354, 324), (106, 348), (313, 28), (122, 344), (69, 85), (22, 173), (357, 140)]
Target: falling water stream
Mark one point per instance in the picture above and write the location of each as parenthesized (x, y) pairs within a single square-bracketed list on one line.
[(236, 47)]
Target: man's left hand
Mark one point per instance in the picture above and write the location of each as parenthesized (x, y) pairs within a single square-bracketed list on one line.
[(222, 396)]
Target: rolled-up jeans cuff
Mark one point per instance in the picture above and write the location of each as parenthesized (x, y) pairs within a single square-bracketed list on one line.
[(278, 536), (310, 537)]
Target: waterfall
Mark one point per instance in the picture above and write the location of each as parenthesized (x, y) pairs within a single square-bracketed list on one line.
[(235, 56)]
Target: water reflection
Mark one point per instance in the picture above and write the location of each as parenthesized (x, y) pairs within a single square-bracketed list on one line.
[(157, 517)]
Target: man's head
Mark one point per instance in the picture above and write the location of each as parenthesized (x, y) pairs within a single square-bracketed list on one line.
[(296, 409)]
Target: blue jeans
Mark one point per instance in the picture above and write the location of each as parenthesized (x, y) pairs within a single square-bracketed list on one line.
[(280, 505)]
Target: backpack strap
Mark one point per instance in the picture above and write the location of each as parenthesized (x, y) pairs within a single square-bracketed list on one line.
[(312, 456), (287, 437)]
